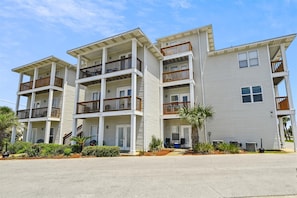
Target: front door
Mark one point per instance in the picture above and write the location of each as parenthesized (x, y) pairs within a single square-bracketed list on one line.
[(33, 135), (51, 137), (94, 133), (186, 131), (123, 137)]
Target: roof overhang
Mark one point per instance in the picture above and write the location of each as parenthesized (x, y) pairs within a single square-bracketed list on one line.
[(119, 38), (42, 62), (286, 40), (207, 29)]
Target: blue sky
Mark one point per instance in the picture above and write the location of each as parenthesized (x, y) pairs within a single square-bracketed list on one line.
[(34, 29)]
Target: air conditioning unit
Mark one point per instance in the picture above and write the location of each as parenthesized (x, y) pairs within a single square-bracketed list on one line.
[(251, 146)]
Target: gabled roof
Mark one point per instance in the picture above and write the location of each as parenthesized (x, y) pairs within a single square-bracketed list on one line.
[(44, 61), (135, 33), (207, 29), (287, 40)]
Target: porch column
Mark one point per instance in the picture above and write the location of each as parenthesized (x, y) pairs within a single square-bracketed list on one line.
[(29, 131), (134, 53), (32, 104), (65, 81), (133, 135), (294, 132), (53, 74), (281, 131), (192, 95), (161, 71), (104, 58), (103, 92), (35, 76), (190, 67), (47, 131), (101, 131), (289, 93), (162, 132), (76, 99), (284, 57), (50, 103)]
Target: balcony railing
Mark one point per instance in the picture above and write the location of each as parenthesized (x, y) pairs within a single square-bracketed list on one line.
[(90, 71), (277, 66), (282, 103), (88, 106), (120, 104), (173, 107), (23, 114), (38, 113), (42, 82), (176, 49), (176, 75), (113, 66)]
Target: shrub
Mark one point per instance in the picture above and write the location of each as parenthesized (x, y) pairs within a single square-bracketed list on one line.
[(19, 147), (203, 148), (155, 144), (76, 148), (101, 151), (228, 148), (67, 151)]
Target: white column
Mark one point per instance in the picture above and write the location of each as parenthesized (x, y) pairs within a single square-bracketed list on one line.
[(29, 131), (289, 93), (192, 95), (134, 53), (65, 81), (53, 74), (104, 58), (281, 131), (133, 135), (32, 104), (190, 67), (293, 123), (76, 99), (103, 92), (47, 131), (284, 57), (101, 131), (35, 77), (161, 71), (50, 103), (162, 131)]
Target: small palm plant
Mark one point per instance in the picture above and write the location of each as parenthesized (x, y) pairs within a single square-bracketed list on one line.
[(155, 144), (80, 141)]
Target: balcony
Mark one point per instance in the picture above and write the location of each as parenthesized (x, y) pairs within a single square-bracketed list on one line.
[(176, 75), (277, 66), (113, 66), (88, 107), (282, 103), (38, 113), (173, 107), (42, 82), (176, 49), (120, 104)]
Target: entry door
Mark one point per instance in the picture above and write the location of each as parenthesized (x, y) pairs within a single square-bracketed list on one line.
[(124, 103), (33, 135), (184, 99), (95, 98), (51, 137), (186, 131), (94, 133), (123, 137)]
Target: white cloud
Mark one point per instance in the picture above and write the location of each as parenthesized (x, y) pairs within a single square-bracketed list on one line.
[(180, 4), (100, 16)]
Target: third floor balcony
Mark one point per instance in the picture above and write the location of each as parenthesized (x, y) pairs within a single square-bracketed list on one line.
[(113, 66), (42, 82), (176, 75), (176, 49)]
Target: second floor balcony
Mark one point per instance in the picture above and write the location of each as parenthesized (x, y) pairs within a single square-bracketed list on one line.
[(176, 49), (88, 107), (121, 103), (277, 66), (113, 66), (282, 103), (174, 107), (38, 113), (176, 75), (42, 82)]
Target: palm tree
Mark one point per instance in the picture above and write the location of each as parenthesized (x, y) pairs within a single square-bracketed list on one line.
[(7, 120), (196, 117), (80, 141), (285, 122)]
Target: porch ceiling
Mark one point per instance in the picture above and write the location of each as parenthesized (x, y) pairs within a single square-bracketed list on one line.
[(28, 69), (112, 41)]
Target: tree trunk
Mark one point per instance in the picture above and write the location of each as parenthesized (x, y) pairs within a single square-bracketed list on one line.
[(195, 136)]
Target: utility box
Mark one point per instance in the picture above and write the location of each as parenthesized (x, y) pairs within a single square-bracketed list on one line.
[(251, 146), (215, 143)]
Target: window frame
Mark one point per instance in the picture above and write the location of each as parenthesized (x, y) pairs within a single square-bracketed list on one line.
[(248, 59), (252, 94)]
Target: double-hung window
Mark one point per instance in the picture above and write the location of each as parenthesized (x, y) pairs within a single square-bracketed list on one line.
[(251, 94), (248, 59)]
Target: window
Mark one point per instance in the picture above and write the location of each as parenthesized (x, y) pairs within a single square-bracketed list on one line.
[(248, 59), (251, 94)]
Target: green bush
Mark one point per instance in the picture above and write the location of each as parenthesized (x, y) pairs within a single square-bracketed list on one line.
[(203, 148), (228, 148), (19, 147), (155, 144), (76, 148), (67, 151), (101, 151)]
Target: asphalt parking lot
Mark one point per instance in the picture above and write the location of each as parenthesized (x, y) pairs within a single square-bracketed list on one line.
[(241, 175)]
